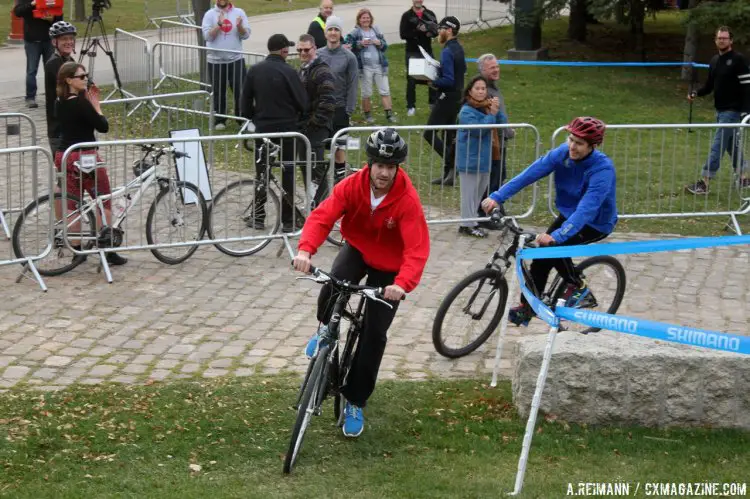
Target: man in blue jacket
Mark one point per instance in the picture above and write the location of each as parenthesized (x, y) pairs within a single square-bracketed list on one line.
[(585, 197), (450, 86)]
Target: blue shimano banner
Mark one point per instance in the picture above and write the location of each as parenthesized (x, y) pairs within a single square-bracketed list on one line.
[(630, 247), (540, 309), (596, 64), (658, 330)]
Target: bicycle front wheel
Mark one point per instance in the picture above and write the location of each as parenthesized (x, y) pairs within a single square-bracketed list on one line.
[(235, 214), (177, 215), (605, 278), (312, 397), (470, 313), (31, 233)]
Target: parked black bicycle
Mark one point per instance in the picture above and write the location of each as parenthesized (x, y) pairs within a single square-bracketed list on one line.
[(234, 208), (472, 310), (329, 366)]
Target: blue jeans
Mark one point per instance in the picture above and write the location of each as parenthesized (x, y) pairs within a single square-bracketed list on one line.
[(34, 52), (726, 140)]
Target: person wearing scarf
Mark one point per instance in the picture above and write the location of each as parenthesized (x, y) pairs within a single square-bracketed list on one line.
[(475, 150)]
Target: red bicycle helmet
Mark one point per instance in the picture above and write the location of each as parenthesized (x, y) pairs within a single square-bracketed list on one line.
[(587, 128)]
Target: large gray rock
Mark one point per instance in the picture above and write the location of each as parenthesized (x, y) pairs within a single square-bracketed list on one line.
[(609, 378)]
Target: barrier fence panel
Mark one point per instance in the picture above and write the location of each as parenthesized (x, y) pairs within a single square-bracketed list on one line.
[(656, 163), (178, 71), (179, 10), (31, 238), (424, 164), (133, 56), (19, 130), (477, 14), (171, 204), (180, 33)]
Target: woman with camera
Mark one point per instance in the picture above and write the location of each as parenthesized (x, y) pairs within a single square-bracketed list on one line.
[(80, 114)]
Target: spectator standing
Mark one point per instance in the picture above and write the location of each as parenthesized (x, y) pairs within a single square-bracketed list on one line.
[(275, 100), (418, 27), (489, 68), (63, 35), (36, 43), (450, 85), (225, 27), (80, 114), (345, 72), (476, 149), (368, 45), (729, 80), (318, 25), (318, 80)]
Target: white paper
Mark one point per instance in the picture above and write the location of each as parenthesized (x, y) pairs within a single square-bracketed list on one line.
[(428, 56)]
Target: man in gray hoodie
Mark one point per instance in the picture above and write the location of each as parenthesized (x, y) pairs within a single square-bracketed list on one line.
[(345, 69)]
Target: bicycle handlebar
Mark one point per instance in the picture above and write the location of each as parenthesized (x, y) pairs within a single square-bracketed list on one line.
[(164, 150), (321, 276), (498, 215)]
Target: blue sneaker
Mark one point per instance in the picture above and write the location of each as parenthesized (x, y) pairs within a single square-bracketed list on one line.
[(354, 421), (576, 297), (520, 315), (311, 350)]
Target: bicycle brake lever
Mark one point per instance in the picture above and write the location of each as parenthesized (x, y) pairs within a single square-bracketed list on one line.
[(321, 279), (371, 295)]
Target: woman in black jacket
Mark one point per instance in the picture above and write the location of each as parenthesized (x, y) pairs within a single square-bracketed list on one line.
[(79, 115)]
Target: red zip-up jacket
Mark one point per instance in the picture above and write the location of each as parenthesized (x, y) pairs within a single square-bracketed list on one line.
[(393, 238)]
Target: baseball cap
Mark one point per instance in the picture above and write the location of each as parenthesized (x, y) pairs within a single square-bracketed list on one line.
[(335, 22), (450, 22), (278, 42)]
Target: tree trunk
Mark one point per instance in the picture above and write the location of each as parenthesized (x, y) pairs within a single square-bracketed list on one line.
[(80, 10), (620, 12), (200, 7), (691, 46), (577, 21), (637, 20)]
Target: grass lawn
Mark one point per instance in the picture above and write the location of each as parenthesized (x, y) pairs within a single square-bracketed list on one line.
[(428, 439)]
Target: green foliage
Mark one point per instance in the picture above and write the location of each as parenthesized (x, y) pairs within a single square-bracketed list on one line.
[(732, 13)]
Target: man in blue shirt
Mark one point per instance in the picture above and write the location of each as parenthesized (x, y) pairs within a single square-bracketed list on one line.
[(450, 86), (585, 197)]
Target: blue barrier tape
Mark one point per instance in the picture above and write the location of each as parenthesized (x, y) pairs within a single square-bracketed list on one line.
[(658, 330), (631, 247), (540, 309), (507, 62)]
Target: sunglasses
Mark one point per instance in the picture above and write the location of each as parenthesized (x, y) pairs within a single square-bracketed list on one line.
[(304, 51), (80, 77)]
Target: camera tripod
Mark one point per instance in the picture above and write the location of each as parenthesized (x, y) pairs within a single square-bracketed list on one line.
[(91, 42)]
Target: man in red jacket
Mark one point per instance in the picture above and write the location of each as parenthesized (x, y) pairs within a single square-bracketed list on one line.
[(386, 239)]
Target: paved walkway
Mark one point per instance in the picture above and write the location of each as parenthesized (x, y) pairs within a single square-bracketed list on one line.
[(216, 315)]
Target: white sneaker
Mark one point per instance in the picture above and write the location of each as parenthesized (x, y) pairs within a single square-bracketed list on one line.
[(220, 126), (411, 111)]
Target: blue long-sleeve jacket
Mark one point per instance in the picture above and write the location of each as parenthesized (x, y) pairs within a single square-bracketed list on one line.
[(585, 190), (452, 68)]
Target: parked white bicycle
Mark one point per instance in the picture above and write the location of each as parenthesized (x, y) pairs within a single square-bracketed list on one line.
[(177, 214)]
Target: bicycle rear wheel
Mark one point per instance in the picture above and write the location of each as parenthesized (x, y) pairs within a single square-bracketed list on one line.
[(31, 233), (605, 278), (178, 214), (312, 397), (480, 295), (233, 214)]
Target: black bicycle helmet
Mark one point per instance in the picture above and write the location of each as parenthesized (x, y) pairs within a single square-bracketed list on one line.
[(386, 146), (61, 28)]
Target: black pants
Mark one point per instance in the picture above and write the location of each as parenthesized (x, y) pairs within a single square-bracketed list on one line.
[(264, 167), (316, 136), (540, 269), (411, 85), (219, 75), (350, 266), (445, 112)]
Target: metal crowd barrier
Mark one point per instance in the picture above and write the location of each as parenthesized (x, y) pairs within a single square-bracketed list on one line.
[(32, 238), (178, 66), (133, 56), (424, 164), (19, 131), (655, 163), (180, 33), (157, 11), (167, 217)]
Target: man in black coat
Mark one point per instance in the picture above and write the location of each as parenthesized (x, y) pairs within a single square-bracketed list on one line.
[(275, 100), (418, 27)]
